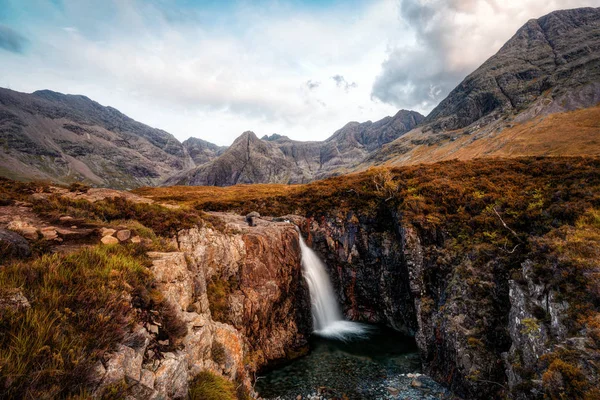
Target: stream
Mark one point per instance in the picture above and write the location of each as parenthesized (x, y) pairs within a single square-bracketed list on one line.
[(385, 365)]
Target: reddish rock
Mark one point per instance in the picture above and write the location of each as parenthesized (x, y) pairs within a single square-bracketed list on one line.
[(123, 234)]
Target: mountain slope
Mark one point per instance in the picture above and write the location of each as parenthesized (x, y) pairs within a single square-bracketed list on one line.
[(65, 138), (551, 65), (247, 160), (278, 159), (556, 57)]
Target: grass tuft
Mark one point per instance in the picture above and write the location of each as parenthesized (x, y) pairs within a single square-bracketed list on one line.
[(210, 386)]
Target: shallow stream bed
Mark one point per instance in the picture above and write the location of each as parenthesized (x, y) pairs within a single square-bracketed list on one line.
[(383, 366)]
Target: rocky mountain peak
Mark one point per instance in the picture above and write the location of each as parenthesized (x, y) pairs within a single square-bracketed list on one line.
[(555, 57), (274, 137)]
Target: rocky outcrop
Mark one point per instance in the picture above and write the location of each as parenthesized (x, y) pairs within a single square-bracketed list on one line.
[(552, 62), (66, 138), (202, 151), (531, 304), (247, 160), (364, 258), (550, 66), (260, 316)]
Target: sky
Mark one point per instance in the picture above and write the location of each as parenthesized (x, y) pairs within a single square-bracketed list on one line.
[(216, 68)]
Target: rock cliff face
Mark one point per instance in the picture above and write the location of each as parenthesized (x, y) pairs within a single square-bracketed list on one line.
[(262, 315), (202, 151), (65, 138), (247, 160), (387, 271), (553, 61)]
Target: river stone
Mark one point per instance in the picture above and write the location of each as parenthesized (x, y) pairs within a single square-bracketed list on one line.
[(13, 244)]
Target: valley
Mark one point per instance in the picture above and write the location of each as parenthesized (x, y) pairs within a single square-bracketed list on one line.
[(453, 255)]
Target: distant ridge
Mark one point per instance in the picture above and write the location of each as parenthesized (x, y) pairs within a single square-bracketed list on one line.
[(538, 95), (278, 159)]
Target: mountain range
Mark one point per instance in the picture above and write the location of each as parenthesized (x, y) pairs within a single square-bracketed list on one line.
[(538, 95)]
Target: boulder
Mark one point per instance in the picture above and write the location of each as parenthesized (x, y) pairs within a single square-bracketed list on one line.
[(13, 244), (250, 218)]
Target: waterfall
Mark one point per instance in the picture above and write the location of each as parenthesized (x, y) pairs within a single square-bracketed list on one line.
[(327, 317)]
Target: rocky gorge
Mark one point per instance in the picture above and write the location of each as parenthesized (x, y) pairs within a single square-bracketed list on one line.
[(495, 282)]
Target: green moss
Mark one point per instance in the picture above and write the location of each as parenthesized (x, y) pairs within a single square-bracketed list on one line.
[(531, 327)]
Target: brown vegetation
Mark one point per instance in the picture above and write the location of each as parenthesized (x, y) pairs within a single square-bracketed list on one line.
[(79, 312)]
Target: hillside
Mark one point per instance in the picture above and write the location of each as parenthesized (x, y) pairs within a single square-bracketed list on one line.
[(492, 263), (69, 138), (518, 102), (65, 138), (538, 95)]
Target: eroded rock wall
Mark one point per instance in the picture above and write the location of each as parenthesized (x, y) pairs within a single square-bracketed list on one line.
[(266, 315), (386, 271)]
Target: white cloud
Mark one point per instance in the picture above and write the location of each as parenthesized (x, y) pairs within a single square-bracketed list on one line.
[(216, 81)]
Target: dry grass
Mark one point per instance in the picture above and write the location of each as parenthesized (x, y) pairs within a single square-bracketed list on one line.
[(210, 386), (574, 133), (79, 311), (178, 195)]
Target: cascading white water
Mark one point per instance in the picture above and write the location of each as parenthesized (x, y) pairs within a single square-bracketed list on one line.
[(327, 317)]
